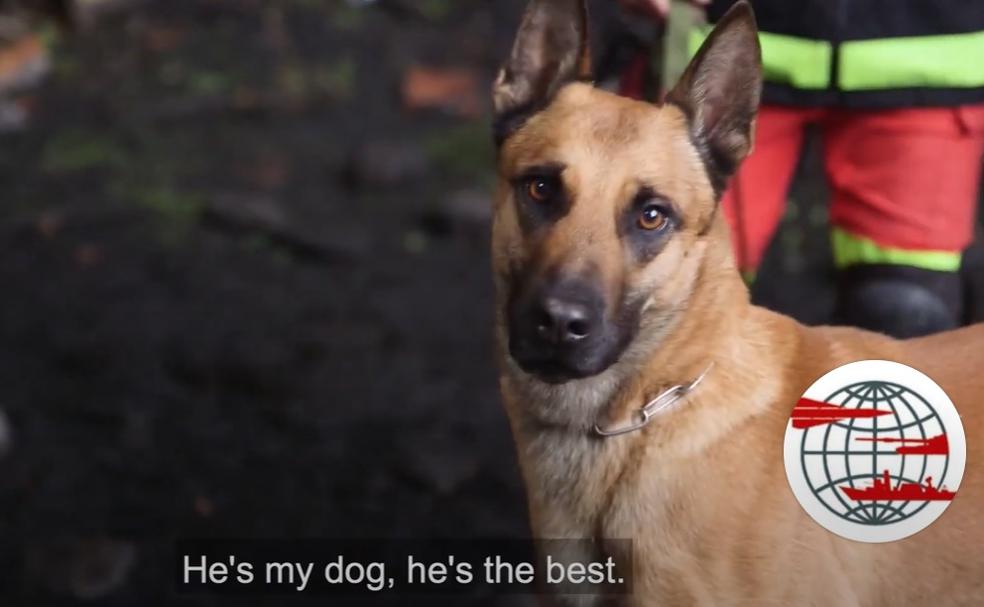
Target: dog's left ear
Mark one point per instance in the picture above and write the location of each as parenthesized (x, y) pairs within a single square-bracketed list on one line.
[(720, 92), (551, 49)]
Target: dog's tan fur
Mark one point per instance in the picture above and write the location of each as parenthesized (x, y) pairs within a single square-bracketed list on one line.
[(689, 489)]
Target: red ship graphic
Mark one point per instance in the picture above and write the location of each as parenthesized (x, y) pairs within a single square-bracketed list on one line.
[(910, 492), (936, 445), (808, 413)]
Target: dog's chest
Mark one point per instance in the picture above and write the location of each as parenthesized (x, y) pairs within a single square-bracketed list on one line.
[(577, 491), (606, 489), (567, 483)]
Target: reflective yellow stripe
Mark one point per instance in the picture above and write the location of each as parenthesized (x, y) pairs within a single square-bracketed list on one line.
[(851, 250), (798, 62), (948, 61)]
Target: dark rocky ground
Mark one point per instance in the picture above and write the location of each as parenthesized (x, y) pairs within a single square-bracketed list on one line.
[(245, 292)]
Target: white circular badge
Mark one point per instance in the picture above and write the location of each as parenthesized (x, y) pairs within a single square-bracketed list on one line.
[(875, 451)]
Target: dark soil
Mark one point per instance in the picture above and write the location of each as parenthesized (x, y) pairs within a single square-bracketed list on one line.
[(245, 292)]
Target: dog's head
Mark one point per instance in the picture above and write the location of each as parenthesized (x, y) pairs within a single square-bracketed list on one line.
[(606, 204)]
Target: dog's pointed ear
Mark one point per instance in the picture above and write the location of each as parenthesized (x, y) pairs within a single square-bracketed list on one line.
[(720, 92), (551, 49)]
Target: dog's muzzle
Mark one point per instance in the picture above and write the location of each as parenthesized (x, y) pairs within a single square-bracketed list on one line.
[(559, 331)]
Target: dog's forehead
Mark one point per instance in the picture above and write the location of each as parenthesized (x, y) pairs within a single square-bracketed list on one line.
[(596, 134), (583, 117)]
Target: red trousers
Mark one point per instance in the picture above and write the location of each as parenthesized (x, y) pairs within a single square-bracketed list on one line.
[(904, 178)]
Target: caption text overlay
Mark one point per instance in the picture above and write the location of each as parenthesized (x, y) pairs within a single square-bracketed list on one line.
[(398, 567)]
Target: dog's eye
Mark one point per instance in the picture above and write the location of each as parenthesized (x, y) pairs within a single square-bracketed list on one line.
[(542, 189), (652, 218)]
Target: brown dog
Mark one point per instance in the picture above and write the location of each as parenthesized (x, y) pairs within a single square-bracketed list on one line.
[(615, 280)]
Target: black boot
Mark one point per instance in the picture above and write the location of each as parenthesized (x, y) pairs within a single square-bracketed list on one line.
[(900, 301)]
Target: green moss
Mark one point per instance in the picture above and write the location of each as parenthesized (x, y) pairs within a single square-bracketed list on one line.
[(338, 79), (347, 18), (78, 150), (435, 9), (169, 203), (293, 79), (176, 211), (209, 83)]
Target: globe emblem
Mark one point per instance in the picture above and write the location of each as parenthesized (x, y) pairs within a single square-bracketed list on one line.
[(874, 452)]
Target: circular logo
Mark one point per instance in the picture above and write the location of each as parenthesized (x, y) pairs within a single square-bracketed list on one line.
[(874, 451)]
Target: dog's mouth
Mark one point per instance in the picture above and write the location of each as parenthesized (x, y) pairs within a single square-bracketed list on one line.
[(552, 372), (557, 366)]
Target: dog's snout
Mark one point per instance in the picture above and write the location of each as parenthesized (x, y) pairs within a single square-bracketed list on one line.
[(558, 329), (563, 321)]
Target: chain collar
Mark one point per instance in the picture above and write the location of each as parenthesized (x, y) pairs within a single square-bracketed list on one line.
[(664, 400)]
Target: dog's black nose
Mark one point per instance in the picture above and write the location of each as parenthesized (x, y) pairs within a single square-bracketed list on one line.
[(562, 322), (558, 330)]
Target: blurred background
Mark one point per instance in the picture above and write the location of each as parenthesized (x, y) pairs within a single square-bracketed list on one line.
[(243, 280)]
